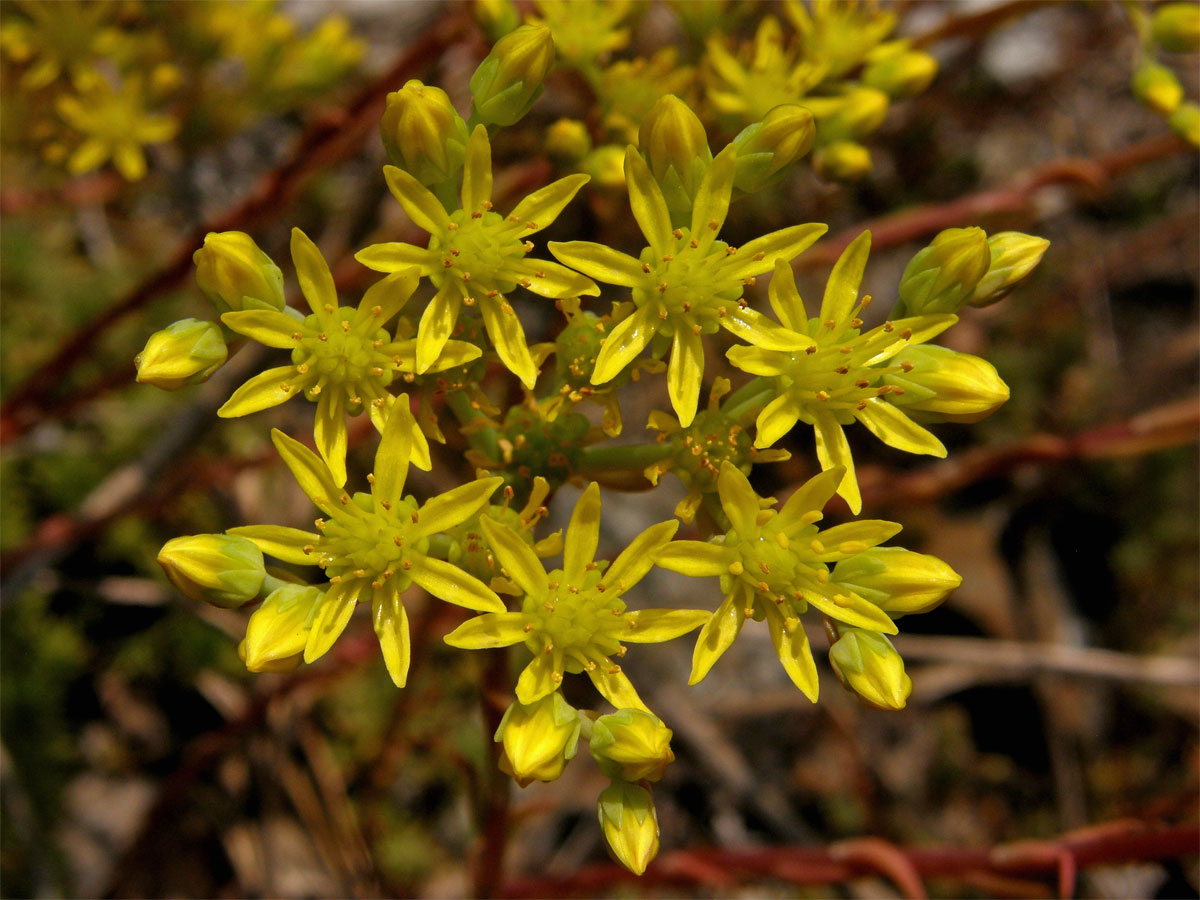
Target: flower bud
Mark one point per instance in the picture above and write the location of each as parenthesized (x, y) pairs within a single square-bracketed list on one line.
[(898, 581), (632, 745), (235, 274), (1185, 122), (842, 161), (765, 149), (220, 569), (278, 629), (849, 117), (510, 78), (868, 664), (900, 72), (538, 739), (1014, 256), (673, 141), (1176, 27), (606, 166), (186, 352), (629, 824), (940, 278), (422, 133), (568, 139), (1157, 87), (947, 385)]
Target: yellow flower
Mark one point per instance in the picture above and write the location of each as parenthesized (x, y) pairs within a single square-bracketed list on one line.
[(839, 377), (342, 357), (766, 75), (114, 125), (476, 256), (574, 619), (628, 89), (773, 564), (57, 36), (631, 744), (585, 31), (538, 739), (686, 283), (374, 546)]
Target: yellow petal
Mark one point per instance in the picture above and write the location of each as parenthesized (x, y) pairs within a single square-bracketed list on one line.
[(454, 507), (738, 499), (544, 205), (309, 470), (391, 627), (685, 374), (711, 204), (653, 626), (285, 544), (716, 637), (392, 457), (868, 532), (600, 262), (624, 343), (638, 558), (267, 326), (420, 204), (615, 687), (316, 282), (477, 171), (785, 299), (649, 207), (897, 430), (834, 452), (549, 279), (757, 329), (855, 611), (450, 583), (583, 534), (841, 291), (264, 390), (329, 432), (538, 678), (508, 337), (758, 361), (332, 617), (489, 630), (437, 323), (516, 558), (777, 419), (695, 558), (778, 246), (794, 652), (392, 257), (812, 495), (388, 295)]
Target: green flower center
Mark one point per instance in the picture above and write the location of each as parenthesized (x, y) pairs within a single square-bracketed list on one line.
[(480, 250), (374, 544), (784, 565), (711, 439), (578, 620), (344, 354), (689, 283)]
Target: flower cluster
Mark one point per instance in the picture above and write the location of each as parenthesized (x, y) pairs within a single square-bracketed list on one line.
[(444, 321)]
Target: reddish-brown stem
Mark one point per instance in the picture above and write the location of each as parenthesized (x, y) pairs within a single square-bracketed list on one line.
[(495, 694), (1106, 844)]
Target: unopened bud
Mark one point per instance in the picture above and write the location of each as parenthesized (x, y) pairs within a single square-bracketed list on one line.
[(630, 825), (851, 116), (538, 739), (1158, 87), (606, 166), (842, 161), (1176, 27), (898, 581), (568, 139), (899, 72), (1014, 256), (235, 274), (947, 386), (868, 664), (220, 569), (422, 133), (765, 149), (632, 745), (940, 278), (278, 629), (510, 78), (673, 141), (1185, 122), (186, 352)]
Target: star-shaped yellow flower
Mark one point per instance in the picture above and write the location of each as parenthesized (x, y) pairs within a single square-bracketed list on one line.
[(374, 546), (574, 619), (342, 357), (686, 283), (476, 256)]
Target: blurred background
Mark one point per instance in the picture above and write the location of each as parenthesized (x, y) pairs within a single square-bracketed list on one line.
[(1055, 691)]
